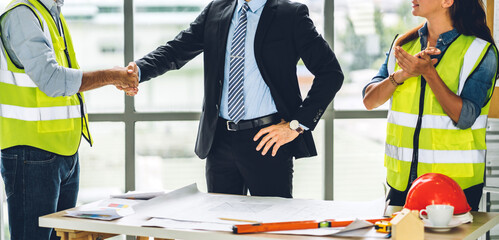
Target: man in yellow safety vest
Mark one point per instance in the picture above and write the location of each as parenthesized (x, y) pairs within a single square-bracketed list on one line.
[(42, 113)]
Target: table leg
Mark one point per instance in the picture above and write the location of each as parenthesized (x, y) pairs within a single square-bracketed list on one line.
[(67, 234), (62, 235)]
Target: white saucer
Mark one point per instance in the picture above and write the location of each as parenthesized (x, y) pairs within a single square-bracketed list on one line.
[(453, 223)]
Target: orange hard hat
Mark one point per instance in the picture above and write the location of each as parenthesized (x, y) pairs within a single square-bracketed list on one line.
[(436, 188)]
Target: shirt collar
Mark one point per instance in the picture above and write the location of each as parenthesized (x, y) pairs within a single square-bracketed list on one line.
[(446, 37), (255, 5), (49, 4)]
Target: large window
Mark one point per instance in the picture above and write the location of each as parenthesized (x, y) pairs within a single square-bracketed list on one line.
[(157, 22), (97, 31), (168, 147), (358, 158), (147, 142), (99, 47), (363, 33)]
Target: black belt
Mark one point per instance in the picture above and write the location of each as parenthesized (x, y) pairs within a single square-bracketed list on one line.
[(248, 124)]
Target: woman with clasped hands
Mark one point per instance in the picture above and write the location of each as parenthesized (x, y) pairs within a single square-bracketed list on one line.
[(439, 78)]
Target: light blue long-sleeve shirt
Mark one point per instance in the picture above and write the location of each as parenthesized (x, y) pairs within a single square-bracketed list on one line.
[(28, 47), (258, 101)]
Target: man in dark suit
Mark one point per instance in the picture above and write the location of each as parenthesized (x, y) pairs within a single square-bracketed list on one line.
[(252, 102)]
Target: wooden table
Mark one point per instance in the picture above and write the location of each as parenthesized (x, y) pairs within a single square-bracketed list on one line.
[(79, 229)]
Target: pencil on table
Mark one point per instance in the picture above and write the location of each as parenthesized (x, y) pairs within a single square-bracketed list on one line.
[(238, 220)]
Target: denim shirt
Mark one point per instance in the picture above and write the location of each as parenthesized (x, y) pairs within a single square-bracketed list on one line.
[(28, 48), (474, 93)]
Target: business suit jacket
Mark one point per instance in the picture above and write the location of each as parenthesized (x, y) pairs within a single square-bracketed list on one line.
[(284, 34)]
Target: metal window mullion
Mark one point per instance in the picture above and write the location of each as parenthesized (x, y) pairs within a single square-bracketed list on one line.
[(129, 101), (329, 115), (360, 114)]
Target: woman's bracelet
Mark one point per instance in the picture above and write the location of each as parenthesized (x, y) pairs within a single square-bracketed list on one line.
[(392, 79)]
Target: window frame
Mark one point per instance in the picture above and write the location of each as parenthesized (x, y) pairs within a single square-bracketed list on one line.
[(130, 116)]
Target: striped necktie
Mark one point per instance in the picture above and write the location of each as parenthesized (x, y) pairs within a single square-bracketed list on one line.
[(236, 74)]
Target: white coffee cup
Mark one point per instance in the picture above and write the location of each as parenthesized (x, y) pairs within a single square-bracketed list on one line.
[(438, 215)]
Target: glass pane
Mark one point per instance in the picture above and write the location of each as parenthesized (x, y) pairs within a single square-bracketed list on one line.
[(97, 31), (358, 159), (364, 31), (166, 160), (102, 167), (165, 157), (157, 22), (308, 179)]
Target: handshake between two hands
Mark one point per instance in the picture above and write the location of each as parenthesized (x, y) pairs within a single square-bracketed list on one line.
[(128, 80)]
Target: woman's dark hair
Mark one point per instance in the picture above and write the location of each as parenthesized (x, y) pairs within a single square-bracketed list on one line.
[(468, 18)]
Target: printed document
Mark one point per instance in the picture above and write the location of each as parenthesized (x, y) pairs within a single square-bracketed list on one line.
[(187, 208)]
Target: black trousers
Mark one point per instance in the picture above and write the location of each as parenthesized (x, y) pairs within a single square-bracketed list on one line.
[(233, 165), (473, 195)]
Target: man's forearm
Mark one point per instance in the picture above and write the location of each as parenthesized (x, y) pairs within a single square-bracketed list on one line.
[(116, 76), (95, 79)]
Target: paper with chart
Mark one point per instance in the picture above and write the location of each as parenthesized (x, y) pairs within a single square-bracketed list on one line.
[(108, 209), (189, 205)]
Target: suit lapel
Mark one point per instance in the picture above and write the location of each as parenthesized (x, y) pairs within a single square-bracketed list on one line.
[(224, 24), (261, 31), (264, 24)]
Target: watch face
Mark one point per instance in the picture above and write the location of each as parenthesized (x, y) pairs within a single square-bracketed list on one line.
[(294, 124)]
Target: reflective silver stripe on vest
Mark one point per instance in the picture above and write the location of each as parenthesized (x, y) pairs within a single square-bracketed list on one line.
[(3, 60), (470, 59), (431, 121), (391, 61), (436, 156), (18, 79), (40, 114)]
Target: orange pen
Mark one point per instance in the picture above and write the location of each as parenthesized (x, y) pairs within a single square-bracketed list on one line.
[(295, 225)]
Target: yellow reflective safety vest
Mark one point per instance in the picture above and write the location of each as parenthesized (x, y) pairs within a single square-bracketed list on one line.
[(420, 132), (27, 115)]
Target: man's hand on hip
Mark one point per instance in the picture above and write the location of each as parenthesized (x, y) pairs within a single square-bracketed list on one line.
[(276, 136)]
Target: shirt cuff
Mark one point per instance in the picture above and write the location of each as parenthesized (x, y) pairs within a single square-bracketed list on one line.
[(73, 83), (304, 127), (139, 72)]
